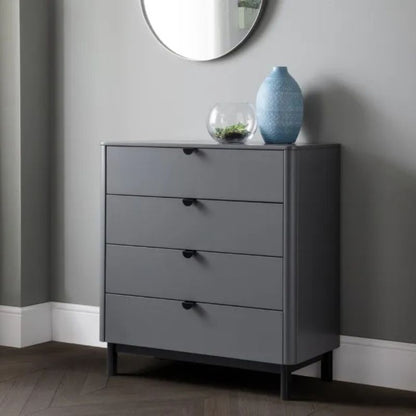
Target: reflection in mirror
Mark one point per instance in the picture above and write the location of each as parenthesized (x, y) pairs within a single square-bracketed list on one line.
[(202, 30)]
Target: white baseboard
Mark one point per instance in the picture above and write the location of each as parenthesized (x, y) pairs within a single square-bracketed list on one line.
[(358, 360), (76, 324), (21, 327), (376, 362), (10, 326), (373, 362)]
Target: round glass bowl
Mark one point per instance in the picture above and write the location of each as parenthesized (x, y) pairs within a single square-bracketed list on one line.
[(232, 122)]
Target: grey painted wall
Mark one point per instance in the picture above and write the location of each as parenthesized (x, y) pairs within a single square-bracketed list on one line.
[(356, 63), (35, 149), (9, 153), (24, 152)]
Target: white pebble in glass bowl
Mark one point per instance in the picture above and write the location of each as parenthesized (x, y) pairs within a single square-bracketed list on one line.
[(233, 123)]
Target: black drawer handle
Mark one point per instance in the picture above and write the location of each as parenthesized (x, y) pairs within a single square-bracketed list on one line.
[(188, 253), (188, 304), (189, 201), (189, 150)]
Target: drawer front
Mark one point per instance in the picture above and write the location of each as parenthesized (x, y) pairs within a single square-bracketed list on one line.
[(248, 175), (223, 226), (227, 279), (222, 331)]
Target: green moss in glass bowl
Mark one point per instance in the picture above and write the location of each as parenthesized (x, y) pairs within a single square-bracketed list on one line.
[(236, 133)]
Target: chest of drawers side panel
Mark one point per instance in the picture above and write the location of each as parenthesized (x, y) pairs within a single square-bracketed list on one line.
[(103, 191), (311, 281), (289, 259)]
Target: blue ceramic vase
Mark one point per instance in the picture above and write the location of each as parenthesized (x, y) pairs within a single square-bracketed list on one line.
[(279, 107)]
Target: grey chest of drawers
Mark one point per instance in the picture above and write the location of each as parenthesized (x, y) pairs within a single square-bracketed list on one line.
[(226, 255)]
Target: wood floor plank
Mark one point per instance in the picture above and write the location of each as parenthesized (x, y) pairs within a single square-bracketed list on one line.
[(97, 376), (69, 389), (5, 387), (180, 408), (299, 408), (94, 382), (14, 401), (43, 392), (362, 411), (10, 369), (68, 380), (219, 405), (249, 404)]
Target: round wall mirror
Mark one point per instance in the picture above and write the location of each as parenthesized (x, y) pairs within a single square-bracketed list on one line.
[(202, 30)]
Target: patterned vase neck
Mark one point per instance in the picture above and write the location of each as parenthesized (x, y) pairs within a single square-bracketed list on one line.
[(279, 70)]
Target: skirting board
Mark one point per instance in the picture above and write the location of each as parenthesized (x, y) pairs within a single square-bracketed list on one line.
[(373, 362), (358, 360), (76, 324), (21, 327)]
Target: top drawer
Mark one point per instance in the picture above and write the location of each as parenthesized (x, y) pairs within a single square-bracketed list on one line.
[(242, 175)]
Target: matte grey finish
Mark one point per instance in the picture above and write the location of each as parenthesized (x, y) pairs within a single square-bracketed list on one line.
[(311, 257), (223, 226), (24, 157), (229, 279), (10, 153), (223, 331), (210, 144), (207, 173), (35, 90), (318, 247), (304, 231), (103, 261)]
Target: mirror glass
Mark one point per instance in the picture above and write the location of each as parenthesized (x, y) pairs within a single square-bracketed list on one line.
[(202, 30)]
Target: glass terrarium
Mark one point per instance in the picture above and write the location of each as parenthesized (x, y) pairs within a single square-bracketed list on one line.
[(232, 122)]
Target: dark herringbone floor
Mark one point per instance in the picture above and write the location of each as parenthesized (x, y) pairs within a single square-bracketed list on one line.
[(68, 380)]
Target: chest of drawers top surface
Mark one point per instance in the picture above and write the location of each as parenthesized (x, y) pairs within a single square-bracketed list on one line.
[(212, 145)]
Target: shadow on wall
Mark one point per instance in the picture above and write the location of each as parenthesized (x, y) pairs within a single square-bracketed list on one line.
[(268, 18), (2, 216), (378, 207), (58, 203)]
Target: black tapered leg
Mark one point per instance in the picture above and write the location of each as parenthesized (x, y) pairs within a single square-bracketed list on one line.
[(326, 367), (285, 382), (111, 359)]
